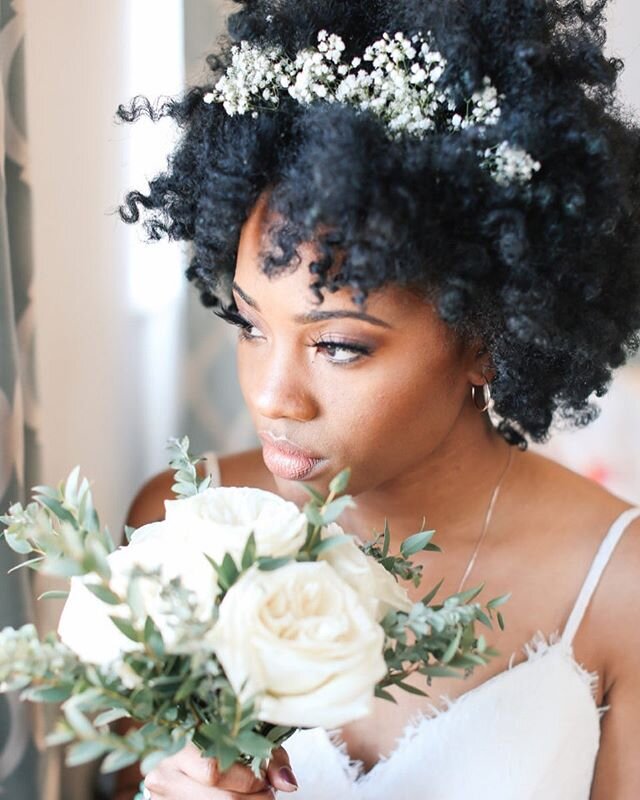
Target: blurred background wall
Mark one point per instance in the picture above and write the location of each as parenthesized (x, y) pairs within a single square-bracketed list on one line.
[(99, 365)]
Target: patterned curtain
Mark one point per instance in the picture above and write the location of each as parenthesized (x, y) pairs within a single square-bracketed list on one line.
[(22, 770)]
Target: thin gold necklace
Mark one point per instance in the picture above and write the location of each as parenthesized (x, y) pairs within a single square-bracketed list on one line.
[(487, 519)]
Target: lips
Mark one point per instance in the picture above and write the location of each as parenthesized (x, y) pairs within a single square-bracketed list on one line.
[(286, 460)]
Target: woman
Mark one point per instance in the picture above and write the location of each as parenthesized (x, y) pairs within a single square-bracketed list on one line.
[(397, 269)]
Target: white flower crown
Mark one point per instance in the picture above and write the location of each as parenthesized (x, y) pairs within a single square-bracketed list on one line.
[(401, 88)]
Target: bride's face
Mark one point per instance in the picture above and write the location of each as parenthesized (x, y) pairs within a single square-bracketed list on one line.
[(375, 391)]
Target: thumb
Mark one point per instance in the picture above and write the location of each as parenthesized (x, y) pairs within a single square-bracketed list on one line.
[(279, 772)]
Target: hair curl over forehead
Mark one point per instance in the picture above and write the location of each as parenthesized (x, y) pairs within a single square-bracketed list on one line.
[(546, 273)]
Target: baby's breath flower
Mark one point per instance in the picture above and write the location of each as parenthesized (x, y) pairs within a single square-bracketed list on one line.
[(402, 86), (509, 164)]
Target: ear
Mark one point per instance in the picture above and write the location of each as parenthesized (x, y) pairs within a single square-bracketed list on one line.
[(480, 369)]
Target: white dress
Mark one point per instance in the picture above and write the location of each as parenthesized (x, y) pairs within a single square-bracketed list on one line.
[(531, 732)]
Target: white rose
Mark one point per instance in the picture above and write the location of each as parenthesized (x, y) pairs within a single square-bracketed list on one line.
[(85, 625), (365, 574), (220, 520), (304, 643)]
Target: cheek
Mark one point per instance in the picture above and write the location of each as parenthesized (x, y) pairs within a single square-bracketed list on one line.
[(389, 417)]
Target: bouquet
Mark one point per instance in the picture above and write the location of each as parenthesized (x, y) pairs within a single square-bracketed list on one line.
[(232, 623)]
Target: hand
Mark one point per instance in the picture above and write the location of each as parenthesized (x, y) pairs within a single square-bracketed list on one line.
[(188, 774)]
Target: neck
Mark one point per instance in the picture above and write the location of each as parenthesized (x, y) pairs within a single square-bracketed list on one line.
[(450, 487)]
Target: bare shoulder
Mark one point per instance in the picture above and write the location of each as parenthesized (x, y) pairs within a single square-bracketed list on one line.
[(236, 469), (583, 508), (584, 511)]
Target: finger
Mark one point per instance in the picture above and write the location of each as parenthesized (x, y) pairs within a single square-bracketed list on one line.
[(279, 772), (238, 778), (157, 782), (173, 785), (191, 761)]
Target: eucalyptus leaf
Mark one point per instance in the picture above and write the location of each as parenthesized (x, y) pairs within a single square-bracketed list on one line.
[(118, 759), (338, 484), (407, 687), (17, 544), (333, 510), (77, 720), (104, 593), (47, 694), (125, 627), (413, 544), (54, 594), (153, 638), (30, 563), (267, 563), (498, 601), (58, 510), (315, 494), (382, 693), (453, 646), (312, 513), (386, 539), (429, 597), (254, 744), (436, 671), (469, 595), (152, 760), (249, 552), (227, 753), (484, 619), (61, 735), (329, 542), (82, 752), (112, 715)]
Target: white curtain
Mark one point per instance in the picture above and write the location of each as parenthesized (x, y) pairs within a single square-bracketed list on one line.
[(109, 307)]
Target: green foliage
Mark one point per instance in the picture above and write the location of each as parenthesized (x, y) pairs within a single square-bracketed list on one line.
[(60, 527), (184, 695), (186, 478), (401, 565)]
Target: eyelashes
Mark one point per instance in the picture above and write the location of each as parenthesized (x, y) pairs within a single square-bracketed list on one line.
[(232, 317), (329, 346)]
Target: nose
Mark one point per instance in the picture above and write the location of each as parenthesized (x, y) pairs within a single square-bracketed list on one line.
[(281, 388)]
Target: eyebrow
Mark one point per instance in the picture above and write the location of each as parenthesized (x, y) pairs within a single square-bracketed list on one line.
[(318, 316)]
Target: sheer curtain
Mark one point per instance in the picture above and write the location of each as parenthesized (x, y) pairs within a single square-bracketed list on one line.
[(109, 310), (22, 769)]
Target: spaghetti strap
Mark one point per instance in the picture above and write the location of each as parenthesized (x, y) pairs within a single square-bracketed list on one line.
[(600, 561), (213, 467)]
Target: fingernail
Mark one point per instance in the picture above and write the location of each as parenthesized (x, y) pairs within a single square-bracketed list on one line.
[(288, 776)]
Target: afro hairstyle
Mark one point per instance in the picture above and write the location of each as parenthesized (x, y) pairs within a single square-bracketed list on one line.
[(546, 273)]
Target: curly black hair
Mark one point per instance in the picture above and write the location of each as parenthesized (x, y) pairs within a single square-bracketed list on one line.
[(547, 273)]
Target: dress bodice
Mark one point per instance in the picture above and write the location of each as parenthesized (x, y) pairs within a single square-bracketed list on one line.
[(531, 732)]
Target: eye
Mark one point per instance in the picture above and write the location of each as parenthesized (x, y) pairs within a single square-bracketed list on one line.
[(234, 318), (343, 352)]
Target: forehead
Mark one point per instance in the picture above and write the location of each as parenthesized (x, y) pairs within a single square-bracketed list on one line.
[(292, 287)]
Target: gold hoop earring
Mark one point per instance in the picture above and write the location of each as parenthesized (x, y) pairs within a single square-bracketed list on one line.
[(486, 396)]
